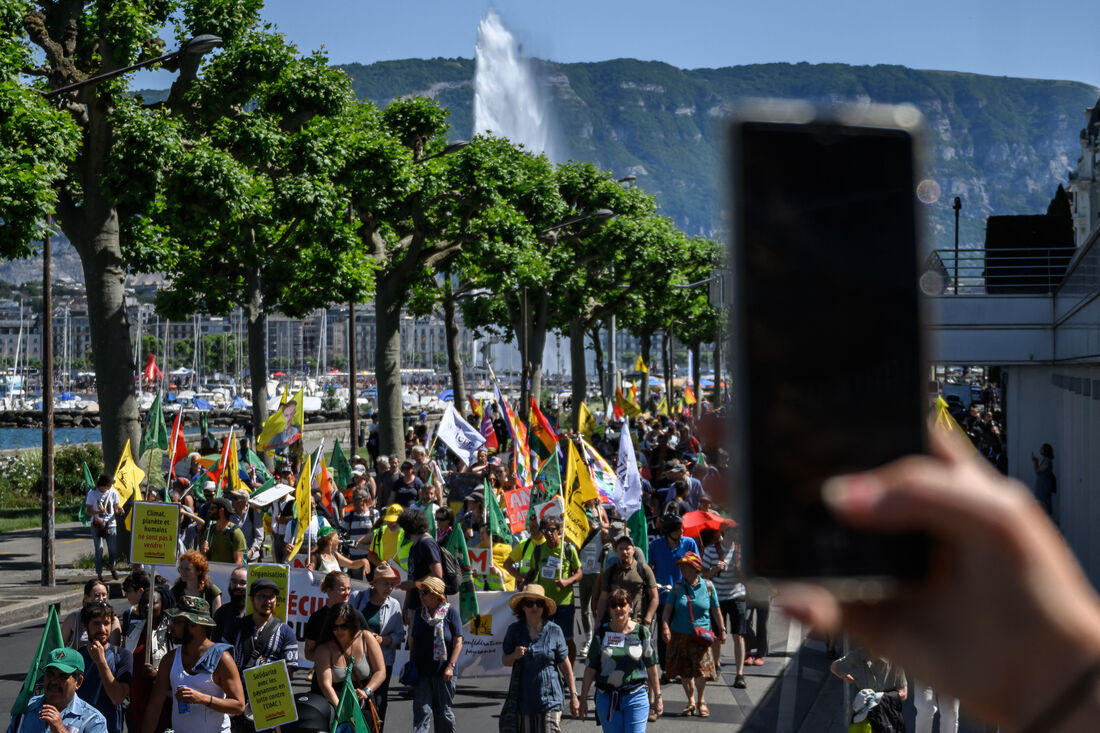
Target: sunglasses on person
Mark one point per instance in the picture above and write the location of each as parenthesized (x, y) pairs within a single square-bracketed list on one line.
[(533, 604), (620, 605)]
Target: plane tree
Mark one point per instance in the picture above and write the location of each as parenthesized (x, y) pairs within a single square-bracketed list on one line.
[(231, 188)]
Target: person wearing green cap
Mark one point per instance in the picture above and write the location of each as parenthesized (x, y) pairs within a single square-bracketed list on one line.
[(59, 709)]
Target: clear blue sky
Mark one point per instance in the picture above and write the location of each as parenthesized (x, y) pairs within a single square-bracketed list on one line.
[(999, 37)]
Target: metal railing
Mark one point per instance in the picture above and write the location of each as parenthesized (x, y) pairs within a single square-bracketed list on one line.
[(1031, 271)]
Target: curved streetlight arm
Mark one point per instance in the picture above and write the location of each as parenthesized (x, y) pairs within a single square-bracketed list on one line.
[(453, 147), (197, 45), (601, 214)]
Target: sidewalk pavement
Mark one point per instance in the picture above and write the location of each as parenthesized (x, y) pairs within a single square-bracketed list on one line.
[(22, 596)]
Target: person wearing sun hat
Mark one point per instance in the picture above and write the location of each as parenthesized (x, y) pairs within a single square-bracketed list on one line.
[(201, 675), (692, 603), (59, 707), (435, 631), (540, 643)]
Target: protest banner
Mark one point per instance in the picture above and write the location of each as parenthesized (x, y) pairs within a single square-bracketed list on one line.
[(553, 509), (516, 503), (481, 560), (280, 574), (268, 687), (478, 659), (155, 528)]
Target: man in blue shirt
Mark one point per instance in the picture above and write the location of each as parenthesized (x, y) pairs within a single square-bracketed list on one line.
[(108, 669), (664, 556), (59, 709)]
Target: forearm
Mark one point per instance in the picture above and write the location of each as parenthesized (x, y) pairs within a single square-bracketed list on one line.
[(566, 670), (456, 652), (589, 678), (225, 705)]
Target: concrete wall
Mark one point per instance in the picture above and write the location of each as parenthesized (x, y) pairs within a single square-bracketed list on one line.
[(1060, 406)]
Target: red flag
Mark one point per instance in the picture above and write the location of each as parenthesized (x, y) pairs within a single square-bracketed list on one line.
[(152, 371), (176, 445), (617, 411), (216, 474), (487, 431)]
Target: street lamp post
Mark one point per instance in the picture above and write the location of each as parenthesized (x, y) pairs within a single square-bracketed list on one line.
[(198, 45), (957, 206)]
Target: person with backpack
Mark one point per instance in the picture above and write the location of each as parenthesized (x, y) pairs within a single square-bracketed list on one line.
[(426, 558), (556, 566), (519, 562)]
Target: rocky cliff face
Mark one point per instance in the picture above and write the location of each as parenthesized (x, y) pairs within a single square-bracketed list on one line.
[(1002, 145)]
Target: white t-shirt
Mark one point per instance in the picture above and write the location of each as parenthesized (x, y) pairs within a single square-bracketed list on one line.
[(105, 501)]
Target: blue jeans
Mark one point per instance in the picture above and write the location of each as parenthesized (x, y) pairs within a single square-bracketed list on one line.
[(432, 698), (632, 715), (97, 544)]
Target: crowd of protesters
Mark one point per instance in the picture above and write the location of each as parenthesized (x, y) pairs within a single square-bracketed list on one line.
[(637, 613)]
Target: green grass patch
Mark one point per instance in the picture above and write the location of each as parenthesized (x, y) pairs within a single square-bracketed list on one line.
[(26, 515)]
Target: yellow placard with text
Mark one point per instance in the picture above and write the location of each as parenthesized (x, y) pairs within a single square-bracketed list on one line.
[(269, 694), (280, 574), (154, 533)]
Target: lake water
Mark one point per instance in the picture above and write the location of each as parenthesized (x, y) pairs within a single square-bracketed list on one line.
[(32, 437)]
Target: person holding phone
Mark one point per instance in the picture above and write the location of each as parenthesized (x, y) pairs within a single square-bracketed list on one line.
[(999, 565)]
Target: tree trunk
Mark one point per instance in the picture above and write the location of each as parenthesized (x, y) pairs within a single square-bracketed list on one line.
[(537, 345), (716, 397), (577, 368), (697, 408), (454, 356), (257, 356), (645, 341), (670, 369), (387, 360), (597, 347)]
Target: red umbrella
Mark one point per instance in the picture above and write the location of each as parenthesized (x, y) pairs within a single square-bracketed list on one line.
[(279, 374), (695, 522)]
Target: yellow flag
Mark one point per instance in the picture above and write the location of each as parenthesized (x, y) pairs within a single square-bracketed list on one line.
[(587, 422), (284, 426), (944, 421), (579, 470), (302, 505), (662, 406), (629, 408), (128, 476), (286, 395), (234, 482), (576, 522), (689, 396), (640, 366)]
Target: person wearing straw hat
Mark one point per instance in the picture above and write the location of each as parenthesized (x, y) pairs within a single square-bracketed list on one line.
[(556, 565), (435, 633), (201, 675), (538, 645)]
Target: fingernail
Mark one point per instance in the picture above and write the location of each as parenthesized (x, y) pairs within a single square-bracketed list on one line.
[(855, 493)]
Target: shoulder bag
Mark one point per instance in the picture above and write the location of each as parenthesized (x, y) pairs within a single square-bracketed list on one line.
[(701, 636), (509, 712)]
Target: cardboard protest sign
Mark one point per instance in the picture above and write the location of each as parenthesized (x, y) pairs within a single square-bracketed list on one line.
[(516, 503), (269, 695), (155, 529), (280, 574)]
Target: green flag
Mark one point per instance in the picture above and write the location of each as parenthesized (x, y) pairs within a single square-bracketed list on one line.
[(498, 523), (256, 462), (51, 639), (89, 484), (550, 477), (204, 424), (156, 432), (349, 717), (467, 593), (639, 532), (340, 467)]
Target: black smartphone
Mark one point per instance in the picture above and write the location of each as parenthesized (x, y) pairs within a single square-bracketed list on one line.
[(828, 373)]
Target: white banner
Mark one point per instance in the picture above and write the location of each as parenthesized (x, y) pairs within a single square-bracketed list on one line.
[(481, 645)]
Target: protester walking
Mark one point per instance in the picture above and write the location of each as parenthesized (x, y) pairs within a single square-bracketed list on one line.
[(103, 508), (622, 662), (59, 708), (384, 621), (435, 635), (72, 631), (108, 668), (557, 567), (194, 580), (346, 645), (535, 647), (722, 566), (690, 623), (200, 675), (664, 558)]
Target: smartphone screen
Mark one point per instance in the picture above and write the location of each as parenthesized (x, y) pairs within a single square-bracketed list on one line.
[(826, 332)]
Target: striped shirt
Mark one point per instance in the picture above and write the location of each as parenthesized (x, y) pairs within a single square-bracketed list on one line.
[(726, 582)]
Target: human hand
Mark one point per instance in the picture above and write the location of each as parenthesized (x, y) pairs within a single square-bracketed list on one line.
[(186, 694), (582, 708), (561, 583), (150, 670), (51, 716), (722, 565), (722, 636), (659, 708), (666, 633), (97, 652), (575, 706), (448, 673), (997, 566)]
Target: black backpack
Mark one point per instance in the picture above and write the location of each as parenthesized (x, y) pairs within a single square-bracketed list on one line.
[(452, 570)]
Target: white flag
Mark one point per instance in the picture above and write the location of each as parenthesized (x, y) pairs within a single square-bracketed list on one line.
[(459, 435), (627, 477)]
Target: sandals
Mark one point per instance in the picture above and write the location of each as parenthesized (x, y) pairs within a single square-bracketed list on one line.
[(704, 711), (689, 710)]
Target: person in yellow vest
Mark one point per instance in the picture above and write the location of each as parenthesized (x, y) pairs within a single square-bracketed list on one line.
[(519, 561), (388, 543), (497, 578)]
